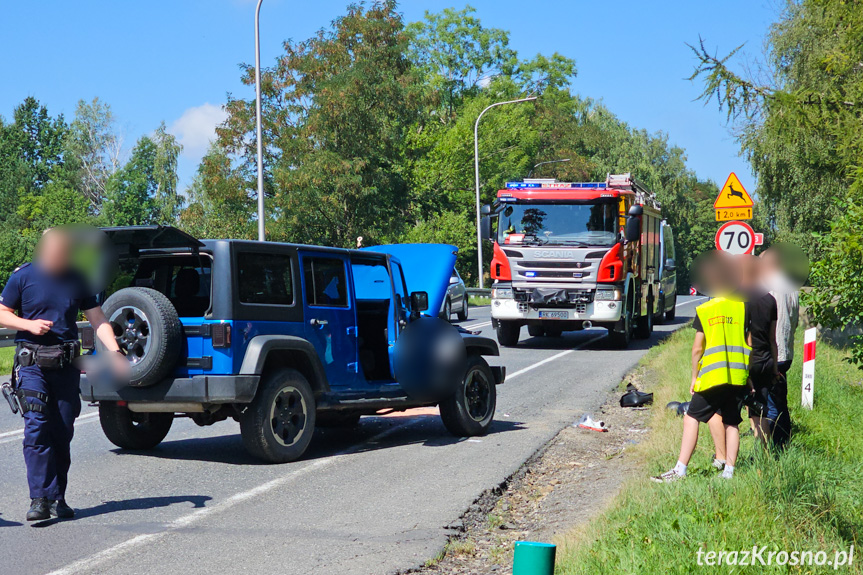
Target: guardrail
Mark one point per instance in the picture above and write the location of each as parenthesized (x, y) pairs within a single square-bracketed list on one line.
[(485, 292), (7, 336)]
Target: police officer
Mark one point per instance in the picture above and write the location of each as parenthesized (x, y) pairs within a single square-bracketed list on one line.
[(47, 296), (720, 360)]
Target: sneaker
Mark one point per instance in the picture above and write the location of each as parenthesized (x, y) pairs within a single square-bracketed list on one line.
[(61, 510), (668, 477), (718, 464), (40, 509)]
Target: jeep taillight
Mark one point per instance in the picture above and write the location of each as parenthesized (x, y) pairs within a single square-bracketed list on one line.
[(221, 333)]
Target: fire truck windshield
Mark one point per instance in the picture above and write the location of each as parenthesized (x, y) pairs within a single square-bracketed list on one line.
[(559, 224)]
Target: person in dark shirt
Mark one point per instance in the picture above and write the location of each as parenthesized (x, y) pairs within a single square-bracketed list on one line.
[(42, 301), (763, 366)]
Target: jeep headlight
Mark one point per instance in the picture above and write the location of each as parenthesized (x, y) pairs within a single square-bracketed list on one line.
[(501, 293), (608, 295)]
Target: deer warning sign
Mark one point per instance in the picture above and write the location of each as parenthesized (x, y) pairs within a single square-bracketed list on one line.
[(732, 195)]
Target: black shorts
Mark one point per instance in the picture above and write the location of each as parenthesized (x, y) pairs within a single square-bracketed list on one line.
[(722, 399)]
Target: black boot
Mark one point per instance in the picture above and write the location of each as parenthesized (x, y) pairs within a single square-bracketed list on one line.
[(60, 510), (40, 509)]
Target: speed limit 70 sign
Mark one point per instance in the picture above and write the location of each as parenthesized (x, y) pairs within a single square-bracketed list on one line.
[(736, 238)]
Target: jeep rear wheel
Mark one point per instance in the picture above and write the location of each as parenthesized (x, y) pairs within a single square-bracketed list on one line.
[(279, 423), (470, 410), (148, 331), (129, 430)]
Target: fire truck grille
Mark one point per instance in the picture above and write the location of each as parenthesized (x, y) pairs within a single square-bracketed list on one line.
[(554, 265), (581, 308)]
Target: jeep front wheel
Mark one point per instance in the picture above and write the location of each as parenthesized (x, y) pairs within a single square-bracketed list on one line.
[(279, 423), (470, 410), (129, 430)]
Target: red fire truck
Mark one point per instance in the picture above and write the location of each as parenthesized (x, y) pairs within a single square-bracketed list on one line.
[(576, 255)]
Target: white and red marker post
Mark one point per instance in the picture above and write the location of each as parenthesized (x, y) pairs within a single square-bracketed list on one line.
[(808, 368)]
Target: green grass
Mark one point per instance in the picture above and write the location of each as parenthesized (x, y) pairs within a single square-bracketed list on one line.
[(6, 356), (807, 498), (476, 300)]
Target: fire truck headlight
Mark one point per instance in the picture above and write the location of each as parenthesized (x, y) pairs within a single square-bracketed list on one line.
[(501, 293), (608, 295)]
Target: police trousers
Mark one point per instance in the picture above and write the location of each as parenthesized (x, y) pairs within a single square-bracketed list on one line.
[(48, 436)]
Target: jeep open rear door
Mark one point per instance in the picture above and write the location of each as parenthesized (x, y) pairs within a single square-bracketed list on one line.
[(130, 240)]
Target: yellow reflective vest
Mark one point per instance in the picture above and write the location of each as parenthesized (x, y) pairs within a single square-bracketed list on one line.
[(726, 354)]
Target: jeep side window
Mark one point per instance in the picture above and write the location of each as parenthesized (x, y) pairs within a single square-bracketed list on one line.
[(326, 283), (399, 284), (265, 279)]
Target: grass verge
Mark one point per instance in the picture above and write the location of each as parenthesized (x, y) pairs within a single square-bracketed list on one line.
[(6, 356), (806, 499), (478, 300)]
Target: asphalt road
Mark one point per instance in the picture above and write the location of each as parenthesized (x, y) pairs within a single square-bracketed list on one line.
[(375, 499)]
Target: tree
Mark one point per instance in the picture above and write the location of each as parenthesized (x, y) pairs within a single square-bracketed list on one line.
[(144, 191), (801, 131), (336, 110), (93, 149)]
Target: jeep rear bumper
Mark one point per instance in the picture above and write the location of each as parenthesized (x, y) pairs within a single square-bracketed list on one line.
[(198, 389)]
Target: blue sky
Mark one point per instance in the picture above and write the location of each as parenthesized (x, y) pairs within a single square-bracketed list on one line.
[(175, 60)]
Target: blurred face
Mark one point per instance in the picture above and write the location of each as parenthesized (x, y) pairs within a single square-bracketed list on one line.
[(52, 252)]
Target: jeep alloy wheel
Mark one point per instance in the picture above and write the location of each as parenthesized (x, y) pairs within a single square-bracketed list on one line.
[(288, 415), (470, 410), (279, 423)]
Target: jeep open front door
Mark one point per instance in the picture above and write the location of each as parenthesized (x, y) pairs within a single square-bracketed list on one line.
[(331, 323)]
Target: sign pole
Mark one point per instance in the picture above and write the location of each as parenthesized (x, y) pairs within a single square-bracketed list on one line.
[(806, 396)]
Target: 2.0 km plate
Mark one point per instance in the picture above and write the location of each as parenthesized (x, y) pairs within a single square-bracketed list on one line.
[(554, 314)]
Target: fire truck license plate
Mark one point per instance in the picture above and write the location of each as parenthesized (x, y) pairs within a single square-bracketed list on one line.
[(554, 314)]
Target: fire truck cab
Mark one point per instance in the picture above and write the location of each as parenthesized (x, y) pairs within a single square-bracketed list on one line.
[(576, 255)]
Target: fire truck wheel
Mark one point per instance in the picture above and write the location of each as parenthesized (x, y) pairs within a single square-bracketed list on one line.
[(535, 330), (621, 339), (644, 327), (507, 333)]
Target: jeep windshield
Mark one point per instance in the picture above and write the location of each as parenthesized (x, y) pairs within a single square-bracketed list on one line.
[(559, 224)]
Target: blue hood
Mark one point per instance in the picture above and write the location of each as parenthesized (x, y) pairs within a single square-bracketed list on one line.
[(427, 267)]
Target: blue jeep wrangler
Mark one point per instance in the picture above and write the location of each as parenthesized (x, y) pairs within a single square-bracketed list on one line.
[(279, 337)]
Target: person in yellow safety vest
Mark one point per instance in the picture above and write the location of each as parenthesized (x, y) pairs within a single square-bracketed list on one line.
[(720, 365)]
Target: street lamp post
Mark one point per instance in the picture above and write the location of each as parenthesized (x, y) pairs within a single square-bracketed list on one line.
[(530, 173), (261, 231), (476, 172)]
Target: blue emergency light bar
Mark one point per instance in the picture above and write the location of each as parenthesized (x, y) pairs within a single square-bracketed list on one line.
[(556, 186)]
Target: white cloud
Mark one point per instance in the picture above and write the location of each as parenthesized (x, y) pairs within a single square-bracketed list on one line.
[(196, 128)]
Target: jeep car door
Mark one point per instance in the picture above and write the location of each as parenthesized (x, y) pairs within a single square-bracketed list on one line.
[(331, 322), (401, 307)]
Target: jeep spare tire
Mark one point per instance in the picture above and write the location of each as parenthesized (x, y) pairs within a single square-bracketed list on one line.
[(148, 330)]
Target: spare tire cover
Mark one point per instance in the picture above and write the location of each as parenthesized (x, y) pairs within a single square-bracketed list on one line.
[(148, 330)]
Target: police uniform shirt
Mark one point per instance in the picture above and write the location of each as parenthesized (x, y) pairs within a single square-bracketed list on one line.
[(36, 294)]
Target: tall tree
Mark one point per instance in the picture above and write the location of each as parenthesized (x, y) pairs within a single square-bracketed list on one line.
[(144, 191), (93, 148), (801, 130), (336, 111)]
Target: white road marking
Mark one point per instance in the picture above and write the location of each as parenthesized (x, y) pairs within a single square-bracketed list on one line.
[(9, 436), (552, 358), (471, 327), (89, 563), (509, 377), (687, 302)]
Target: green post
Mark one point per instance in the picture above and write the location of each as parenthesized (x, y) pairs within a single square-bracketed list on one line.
[(532, 558)]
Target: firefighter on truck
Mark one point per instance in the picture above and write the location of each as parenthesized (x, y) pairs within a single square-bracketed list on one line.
[(577, 255)]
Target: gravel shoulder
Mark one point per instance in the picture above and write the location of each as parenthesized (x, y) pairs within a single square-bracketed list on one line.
[(568, 481)]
